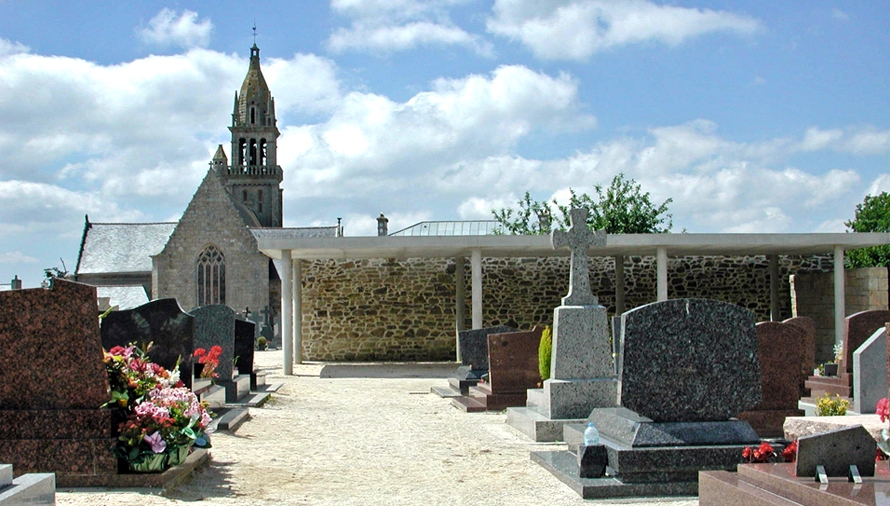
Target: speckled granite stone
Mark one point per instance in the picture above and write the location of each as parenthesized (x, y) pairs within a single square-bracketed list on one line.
[(474, 346), (869, 371), (581, 348), (215, 326), (857, 329), (579, 238), (245, 331), (837, 450), (513, 361), (688, 360), (780, 346), (809, 348), (50, 351), (162, 322)]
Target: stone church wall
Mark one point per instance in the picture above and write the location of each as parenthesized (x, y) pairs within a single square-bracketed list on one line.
[(380, 309)]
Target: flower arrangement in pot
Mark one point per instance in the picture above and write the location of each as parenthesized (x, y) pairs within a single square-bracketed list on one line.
[(161, 419)]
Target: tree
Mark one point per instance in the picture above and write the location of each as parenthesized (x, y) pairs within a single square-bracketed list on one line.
[(872, 215), (622, 208)]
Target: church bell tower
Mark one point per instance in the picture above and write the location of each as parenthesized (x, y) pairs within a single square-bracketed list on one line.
[(254, 176)]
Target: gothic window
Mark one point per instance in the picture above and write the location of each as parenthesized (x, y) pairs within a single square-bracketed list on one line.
[(252, 115), (252, 159), (263, 159), (242, 147), (259, 198), (243, 195), (211, 277)]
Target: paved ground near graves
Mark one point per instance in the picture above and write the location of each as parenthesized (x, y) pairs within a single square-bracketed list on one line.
[(367, 435)]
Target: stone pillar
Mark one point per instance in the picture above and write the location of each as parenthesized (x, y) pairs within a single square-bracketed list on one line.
[(839, 308), (476, 264), (460, 302), (287, 308), (662, 276), (298, 311), (619, 284), (774, 288)]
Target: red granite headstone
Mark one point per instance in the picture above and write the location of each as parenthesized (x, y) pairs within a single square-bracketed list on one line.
[(780, 347), (809, 348), (857, 329), (52, 383)]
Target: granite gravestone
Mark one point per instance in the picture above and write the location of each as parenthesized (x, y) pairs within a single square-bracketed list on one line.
[(52, 382), (245, 344), (688, 360), (473, 346), (869, 372), (161, 322), (215, 326), (837, 450), (686, 368), (806, 324), (780, 346), (513, 369), (582, 372)]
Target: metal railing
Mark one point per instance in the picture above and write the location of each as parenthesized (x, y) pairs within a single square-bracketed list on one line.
[(445, 228)]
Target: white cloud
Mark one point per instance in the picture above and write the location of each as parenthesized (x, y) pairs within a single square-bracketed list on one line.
[(14, 257), (167, 29), (576, 29), (8, 47), (839, 14), (879, 185), (860, 141), (399, 25)]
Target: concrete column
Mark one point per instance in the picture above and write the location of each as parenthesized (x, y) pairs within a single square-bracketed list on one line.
[(619, 284), (298, 311), (476, 265), (774, 288), (287, 315), (662, 273), (460, 301), (839, 304)]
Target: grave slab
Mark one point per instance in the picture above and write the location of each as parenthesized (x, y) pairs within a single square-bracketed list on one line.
[(869, 371)]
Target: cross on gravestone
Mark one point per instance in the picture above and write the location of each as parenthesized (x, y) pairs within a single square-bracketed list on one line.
[(579, 239)]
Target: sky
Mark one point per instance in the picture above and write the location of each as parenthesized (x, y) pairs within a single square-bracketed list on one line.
[(758, 116)]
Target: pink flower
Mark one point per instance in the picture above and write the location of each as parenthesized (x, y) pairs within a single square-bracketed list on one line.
[(158, 445), (883, 409)]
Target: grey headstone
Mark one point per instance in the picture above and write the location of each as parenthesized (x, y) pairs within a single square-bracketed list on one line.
[(474, 346), (869, 372), (581, 346), (579, 239), (215, 325), (160, 321), (837, 450), (688, 360), (245, 343)]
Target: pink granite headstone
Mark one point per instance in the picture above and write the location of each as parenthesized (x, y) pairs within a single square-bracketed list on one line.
[(809, 347), (857, 329)]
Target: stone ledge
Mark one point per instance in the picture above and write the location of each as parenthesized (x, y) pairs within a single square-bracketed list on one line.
[(170, 478), (798, 426)]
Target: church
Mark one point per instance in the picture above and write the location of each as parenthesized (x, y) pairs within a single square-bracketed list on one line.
[(210, 255)]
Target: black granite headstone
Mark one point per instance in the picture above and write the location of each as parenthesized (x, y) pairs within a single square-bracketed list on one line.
[(215, 326), (161, 322), (244, 345)]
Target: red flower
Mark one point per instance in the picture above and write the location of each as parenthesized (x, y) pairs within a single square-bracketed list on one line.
[(883, 409), (790, 452), (763, 452), (746, 454)]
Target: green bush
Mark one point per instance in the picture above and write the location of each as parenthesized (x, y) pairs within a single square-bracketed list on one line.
[(826, 406), (544, 351)]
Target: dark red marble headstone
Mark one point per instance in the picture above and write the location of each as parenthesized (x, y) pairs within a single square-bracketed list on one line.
[(50, 350), (52, 383), (857, 329), (780, 347), (809, 348), (513, 361)]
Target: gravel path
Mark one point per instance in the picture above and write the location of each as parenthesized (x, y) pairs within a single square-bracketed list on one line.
[(381, 438)]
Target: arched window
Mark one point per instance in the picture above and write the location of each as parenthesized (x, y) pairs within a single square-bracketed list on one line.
[(263, 159), (252, 115), (243, 195), (211, 278), (242, 148), (259, 199), (251, 160)]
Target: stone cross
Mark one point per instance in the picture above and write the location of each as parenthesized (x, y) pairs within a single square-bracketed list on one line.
[(579, 239)]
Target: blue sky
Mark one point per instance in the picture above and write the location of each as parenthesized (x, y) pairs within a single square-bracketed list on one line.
[(753, 117)]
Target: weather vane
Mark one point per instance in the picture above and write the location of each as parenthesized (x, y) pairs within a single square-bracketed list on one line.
[(254, 33)]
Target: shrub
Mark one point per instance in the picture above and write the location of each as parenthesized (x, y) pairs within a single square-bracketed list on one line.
[(544, 350), (826, 406)]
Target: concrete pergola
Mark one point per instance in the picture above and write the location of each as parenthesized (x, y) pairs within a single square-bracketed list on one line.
[(280, 245)]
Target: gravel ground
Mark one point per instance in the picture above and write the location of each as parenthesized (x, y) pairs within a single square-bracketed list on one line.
[(367, 435)]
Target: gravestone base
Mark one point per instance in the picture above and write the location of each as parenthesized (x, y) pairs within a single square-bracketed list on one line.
[(236, 389), (69, 442), (832, 385), (459, 384), (649, 458), (768, 423), (482, 398), (257, 380), (559, 403), (32, 488), (537, 426), (213, 395), (777, 484)]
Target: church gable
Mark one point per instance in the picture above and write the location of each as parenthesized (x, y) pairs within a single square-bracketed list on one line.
[(211, 252)]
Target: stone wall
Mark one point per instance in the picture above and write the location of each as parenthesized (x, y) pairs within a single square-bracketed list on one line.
[(812, 294), (405, 310)]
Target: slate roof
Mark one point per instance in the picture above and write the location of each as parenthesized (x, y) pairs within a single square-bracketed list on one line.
[(125, 297), (121, 247)]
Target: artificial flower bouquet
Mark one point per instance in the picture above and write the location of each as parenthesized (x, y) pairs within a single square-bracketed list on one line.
[(161, 419)]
